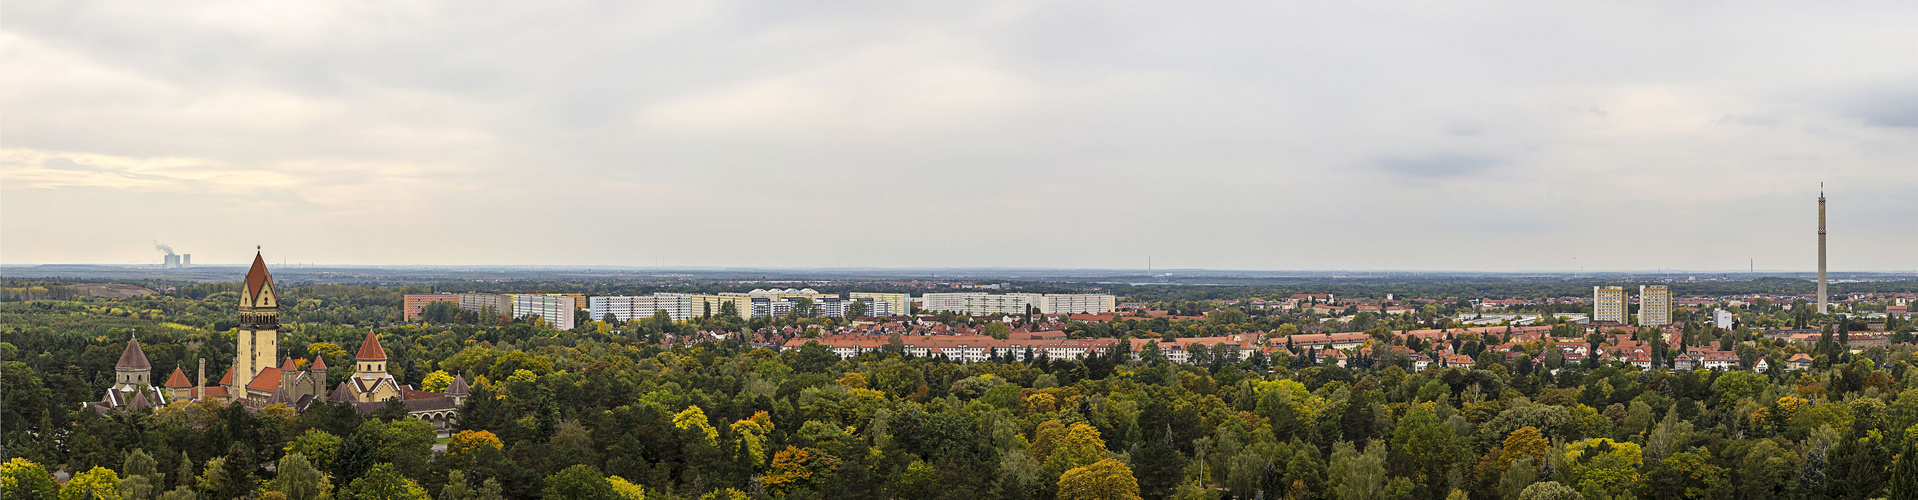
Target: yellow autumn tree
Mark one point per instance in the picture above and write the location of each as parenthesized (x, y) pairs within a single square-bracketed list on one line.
[(436, 381), (465, 444), (1106, 479), (626, 489), (1041, 403), (752, 436), (1523, 443), (1074, 446), (1044, 438), (694, 419)]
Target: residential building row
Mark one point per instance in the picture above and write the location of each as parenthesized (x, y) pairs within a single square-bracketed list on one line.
[(1613, 304), (985, 304)]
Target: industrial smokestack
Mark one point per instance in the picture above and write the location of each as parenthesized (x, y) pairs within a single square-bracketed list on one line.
[(170, 260), (1821, 249)]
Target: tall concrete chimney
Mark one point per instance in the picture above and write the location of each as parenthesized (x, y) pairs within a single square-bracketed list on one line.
[(199, 386), (1821, 249)]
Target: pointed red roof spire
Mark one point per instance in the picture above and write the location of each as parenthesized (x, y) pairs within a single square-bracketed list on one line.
[(178, 379), (289, 365), (257, 277), (319, 364), (133, 358), (370, 349)]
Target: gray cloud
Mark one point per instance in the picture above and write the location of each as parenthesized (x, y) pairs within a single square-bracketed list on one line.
[(1440, 165), (1890, 109), (1021, 134)]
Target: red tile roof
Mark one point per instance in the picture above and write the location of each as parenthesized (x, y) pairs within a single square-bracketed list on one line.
[(257, 277), (289, 365), (267, 380), (370, 349), (178, 379), (319, 364)]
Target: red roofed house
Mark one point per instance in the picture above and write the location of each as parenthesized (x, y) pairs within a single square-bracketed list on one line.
[(1800, 361)]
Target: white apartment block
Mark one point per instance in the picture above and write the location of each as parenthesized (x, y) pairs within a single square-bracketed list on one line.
[(556, 309), (477, 302), (679, 307), (1078, 303), (1654, 305), (983, 304), (1610, 304)]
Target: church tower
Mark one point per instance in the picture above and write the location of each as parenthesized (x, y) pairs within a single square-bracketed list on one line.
[(259, 328)]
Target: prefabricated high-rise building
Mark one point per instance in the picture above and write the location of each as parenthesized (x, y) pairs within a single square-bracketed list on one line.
[(1609, 303), (1654, 305)]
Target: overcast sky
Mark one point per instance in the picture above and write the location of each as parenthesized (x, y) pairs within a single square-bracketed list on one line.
[(1254, 135)]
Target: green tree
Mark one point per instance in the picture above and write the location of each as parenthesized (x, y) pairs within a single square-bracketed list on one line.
[(1432, 447), (457, 488), (1362, 476), (298, 479), (856, 309), (1603, 468), (384, 482), (318, 446), (1688, 475), (1159, 466), (1766, 470), (997, 330), (580, 482), (1736, 385), (1549, 490), (142, 476), (1904, 476), (214, 482)]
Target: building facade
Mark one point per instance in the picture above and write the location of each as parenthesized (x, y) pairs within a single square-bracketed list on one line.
[(1654, 305), (487, 303), (740, 304), (415, 303), (984, 304), (896, 303), (677, 306), (1609, 303), (556, 309), (1078, 303)]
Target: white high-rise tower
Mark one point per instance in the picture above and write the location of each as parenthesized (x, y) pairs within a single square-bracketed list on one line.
[(1821, 248)]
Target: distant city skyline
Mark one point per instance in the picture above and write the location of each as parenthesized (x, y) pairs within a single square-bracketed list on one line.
[(1410, 137)]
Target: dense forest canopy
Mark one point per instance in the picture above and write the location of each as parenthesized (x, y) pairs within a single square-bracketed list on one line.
[(634, 410)]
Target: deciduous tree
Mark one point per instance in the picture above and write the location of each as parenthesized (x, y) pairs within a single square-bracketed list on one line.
[(1106, 479)]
